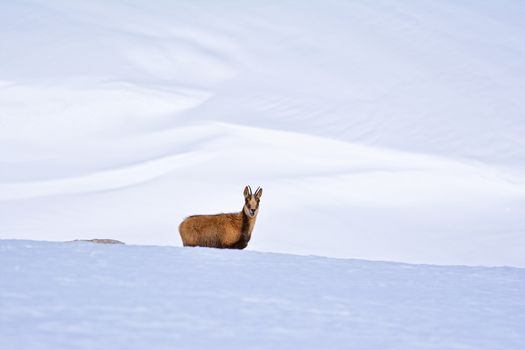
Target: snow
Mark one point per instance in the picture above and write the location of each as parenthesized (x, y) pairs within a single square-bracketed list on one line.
[(383, 131), (78, 295)]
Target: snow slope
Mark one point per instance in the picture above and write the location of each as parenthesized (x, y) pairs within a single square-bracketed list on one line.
[(379, 130), (87, 296)]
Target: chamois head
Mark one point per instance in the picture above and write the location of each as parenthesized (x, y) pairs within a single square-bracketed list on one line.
[(251, 201)]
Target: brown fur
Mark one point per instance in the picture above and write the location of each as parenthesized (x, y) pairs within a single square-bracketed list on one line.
[(232, 230)]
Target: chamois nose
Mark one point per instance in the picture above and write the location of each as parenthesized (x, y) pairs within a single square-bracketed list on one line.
[(252, 211)]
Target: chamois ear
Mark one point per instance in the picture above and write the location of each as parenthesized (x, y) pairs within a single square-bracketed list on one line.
[(258, 193), (247, 192)]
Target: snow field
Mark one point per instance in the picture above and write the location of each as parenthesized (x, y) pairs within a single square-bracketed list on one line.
[(82, 296), (378, 131)]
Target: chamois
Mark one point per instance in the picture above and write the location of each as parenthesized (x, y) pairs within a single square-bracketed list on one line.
[(231, 230)]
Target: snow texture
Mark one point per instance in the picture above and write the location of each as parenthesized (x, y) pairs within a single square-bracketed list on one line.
[(383, 131), (82, 295)]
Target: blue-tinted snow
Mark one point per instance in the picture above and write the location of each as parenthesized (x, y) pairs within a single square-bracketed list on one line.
[(85, 296)]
